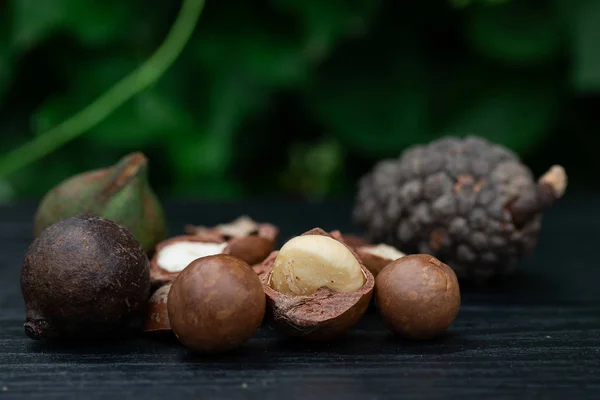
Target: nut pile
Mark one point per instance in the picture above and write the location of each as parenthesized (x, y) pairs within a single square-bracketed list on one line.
[(315, 287), (88, 272)]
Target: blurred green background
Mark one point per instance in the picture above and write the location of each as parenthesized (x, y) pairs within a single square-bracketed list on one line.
[(299, 98)]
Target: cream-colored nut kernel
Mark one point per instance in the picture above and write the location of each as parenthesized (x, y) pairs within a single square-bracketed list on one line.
[(384, 251), (307, 263), (175, 257), (240, 227)]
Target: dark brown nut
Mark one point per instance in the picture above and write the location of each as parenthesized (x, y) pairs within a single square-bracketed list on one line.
[(216, 304), (316, 286), (83, 277), (174, 254), (249, 240), (417, 296), (377, 257), (157, 319)]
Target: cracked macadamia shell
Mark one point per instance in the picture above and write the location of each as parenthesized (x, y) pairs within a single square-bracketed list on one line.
[(216, 304), (377, 257), (247, 239), (417, 296), (157, 316), (322, 315), (174, 254)]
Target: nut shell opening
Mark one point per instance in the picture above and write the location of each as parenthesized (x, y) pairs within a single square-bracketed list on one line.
[(377, 257), (179, 254), (322, 315)]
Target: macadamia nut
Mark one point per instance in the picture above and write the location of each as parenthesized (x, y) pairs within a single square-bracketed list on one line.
[(309, 262)]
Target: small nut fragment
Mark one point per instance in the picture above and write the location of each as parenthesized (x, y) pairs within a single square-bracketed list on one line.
[(178, 255), (307, 263), (248, 240), (174, 254), (377, 257), (157, 319), (310, 307)]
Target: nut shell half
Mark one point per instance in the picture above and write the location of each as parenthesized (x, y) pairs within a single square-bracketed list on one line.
[(248, 240), (376, 260), (157, 319), (160, 276), (323, 315)]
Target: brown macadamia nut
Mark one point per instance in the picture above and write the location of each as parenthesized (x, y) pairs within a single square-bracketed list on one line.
[(417, 296), (216, 304)]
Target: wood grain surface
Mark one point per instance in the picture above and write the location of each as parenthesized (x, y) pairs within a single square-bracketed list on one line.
[(535, 336)]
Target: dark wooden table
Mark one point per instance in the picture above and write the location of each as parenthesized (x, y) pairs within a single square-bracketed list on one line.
[(535, 336)]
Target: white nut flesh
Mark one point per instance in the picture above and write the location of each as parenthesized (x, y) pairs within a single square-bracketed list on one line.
[(240, 227), (176, 256), (384, 251), (307, 263)]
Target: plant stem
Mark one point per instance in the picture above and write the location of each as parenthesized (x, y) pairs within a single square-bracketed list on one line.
[(139, 79)]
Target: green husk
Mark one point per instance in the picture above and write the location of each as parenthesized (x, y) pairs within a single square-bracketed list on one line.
[(120, 193)]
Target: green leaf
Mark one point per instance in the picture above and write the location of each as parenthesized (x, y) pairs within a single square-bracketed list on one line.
[(32, 20), (519, 32), (7, 192), (314, 169), (325, 22), (265, 57), (98, 21), (466, 3), (513, 112), (6, 65), (374, 102), (585, 36), (92, 21)]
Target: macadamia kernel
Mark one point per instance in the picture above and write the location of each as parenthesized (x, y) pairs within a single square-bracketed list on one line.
[(175, 257), (307, 263), (384, 251)]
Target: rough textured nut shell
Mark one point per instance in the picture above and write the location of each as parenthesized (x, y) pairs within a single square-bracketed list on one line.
[(443, 197), (216, 304), (417, 296), (84, 276)]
